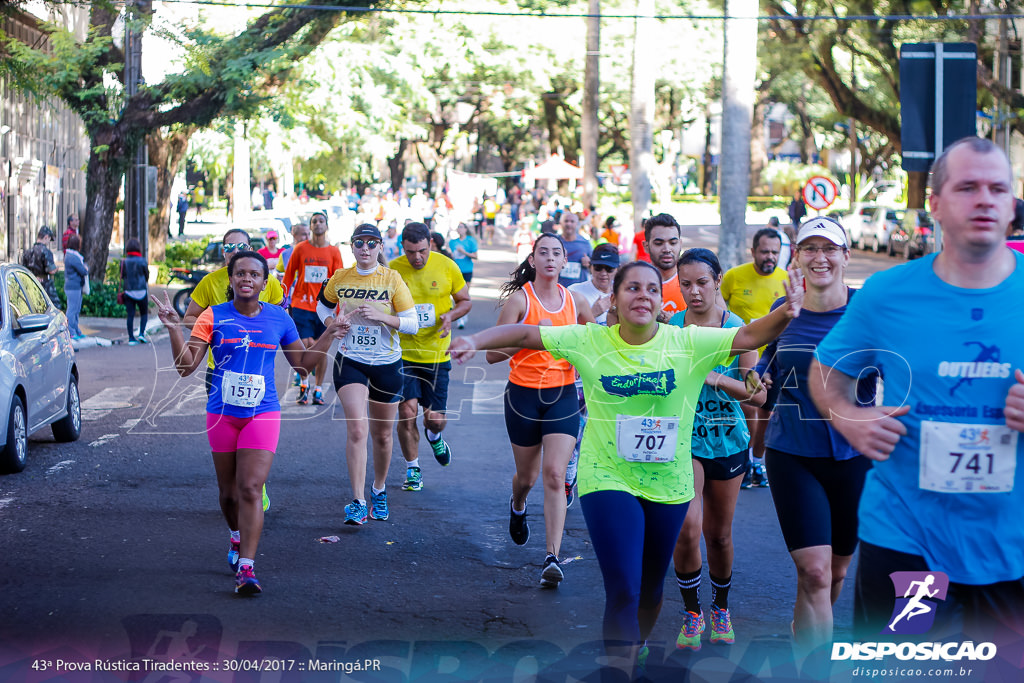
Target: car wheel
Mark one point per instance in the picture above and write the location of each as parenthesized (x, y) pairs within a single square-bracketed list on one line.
[(15, 451), (874, 243), (182, 299), (69, 427)]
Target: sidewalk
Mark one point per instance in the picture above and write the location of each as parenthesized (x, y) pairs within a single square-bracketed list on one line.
[(114, 331)]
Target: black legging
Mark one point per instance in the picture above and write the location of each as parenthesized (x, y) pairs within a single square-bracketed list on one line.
[(143, 305)]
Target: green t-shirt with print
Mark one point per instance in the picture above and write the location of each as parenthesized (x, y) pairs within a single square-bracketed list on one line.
[(641, 402)]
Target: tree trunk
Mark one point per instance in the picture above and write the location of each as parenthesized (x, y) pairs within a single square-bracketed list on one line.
[(641, 118), (166, 153), (758, 147), (397, 165), (102, 185), (738, 76), (591, 100), (708, 186)]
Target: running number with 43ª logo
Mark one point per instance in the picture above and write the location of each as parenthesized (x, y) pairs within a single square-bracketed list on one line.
[(364, 338), (646, 439), (244, 390), (967, 458)]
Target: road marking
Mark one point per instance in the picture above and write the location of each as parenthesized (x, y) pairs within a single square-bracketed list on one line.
[(59, 466), (489, 398), (104, 439), (4, 502), (130, 424), (111, 398)]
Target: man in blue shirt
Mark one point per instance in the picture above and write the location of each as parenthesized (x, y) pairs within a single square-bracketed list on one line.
[(946, 494), (577, 251)]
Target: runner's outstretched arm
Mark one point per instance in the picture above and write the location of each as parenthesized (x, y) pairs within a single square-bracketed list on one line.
[(503, 336)]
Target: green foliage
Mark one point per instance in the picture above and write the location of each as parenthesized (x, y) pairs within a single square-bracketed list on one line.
[(180, 254)]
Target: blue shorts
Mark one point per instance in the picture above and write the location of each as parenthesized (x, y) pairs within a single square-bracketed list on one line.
[(427, 383), (308, 323), (531, 414)]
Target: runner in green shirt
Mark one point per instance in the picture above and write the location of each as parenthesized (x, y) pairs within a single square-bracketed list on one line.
[(641, 380)]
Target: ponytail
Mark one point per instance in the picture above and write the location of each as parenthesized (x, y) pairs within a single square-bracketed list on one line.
[(525, 272)]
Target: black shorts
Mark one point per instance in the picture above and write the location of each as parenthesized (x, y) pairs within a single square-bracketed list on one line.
[(532, 414), (724, 469), (426, 383), (308, 323), (383, 381), (816, 499), (468, 277)]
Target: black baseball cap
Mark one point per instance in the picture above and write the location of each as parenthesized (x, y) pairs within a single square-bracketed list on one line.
[(367, 230), (605, 255)]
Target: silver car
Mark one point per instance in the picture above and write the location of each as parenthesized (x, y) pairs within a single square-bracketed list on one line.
[(38, 374)]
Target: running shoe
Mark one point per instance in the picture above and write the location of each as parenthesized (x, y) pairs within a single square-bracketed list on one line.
[(570, 493), (246, 582), (266, 499), (355, 513), (461, 324), (143, 339), (133, 342), (413, 479), (303, 398), (552, 574), (689, 635), (745, 484), (758, 476), (442, 452), (721, 627), (518, 529), (641, 660), (318, 397), (378, 505), (297, 380), (233, 556)]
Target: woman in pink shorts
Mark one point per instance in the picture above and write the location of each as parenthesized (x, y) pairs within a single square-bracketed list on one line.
[(243, 415)]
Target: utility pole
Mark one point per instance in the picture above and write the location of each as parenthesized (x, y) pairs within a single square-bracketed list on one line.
[(641, 117), (591, 101), (135, 213)]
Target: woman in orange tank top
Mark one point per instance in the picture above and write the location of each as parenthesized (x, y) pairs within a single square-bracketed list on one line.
[(541, 405)]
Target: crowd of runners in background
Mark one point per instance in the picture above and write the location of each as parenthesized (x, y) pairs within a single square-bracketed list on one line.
[(654, 385)]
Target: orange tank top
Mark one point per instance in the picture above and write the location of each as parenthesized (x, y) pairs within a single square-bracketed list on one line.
[(672, 300), (539, 369)]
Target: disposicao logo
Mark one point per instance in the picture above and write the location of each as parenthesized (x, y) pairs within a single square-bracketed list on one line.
[(918, 595)]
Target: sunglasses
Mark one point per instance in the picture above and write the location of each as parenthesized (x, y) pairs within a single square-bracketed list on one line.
[(359, 244), (228, 248), (602, 269)]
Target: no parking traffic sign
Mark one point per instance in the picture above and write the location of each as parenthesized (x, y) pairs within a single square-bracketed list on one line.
[(820, 192)]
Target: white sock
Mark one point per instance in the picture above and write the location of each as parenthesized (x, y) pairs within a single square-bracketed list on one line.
[(320, 387), (375, 490), (236, 536), (361, 501), (414, 463), (431, 436), (243, 561)]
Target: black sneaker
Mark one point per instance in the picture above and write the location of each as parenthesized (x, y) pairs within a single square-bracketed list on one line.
[(552, 574), (518, 529)]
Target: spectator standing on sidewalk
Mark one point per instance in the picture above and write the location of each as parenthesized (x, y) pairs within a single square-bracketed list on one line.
[(76, 281)]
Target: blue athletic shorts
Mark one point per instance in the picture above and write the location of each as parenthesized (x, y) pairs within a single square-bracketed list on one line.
[(427, 383)]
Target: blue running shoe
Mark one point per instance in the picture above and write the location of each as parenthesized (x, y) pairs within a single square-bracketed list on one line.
[(303, 398), (233, 556), (246, 582), (413, 479), (355, 513), (378, 505)]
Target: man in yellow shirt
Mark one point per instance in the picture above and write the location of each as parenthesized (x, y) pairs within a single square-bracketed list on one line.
[(750, 290), (435, 282), (213, 290)]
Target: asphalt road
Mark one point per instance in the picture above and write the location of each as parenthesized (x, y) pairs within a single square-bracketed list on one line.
[(113, 549)]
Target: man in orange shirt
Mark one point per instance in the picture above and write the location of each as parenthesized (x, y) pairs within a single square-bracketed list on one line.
[(310, 266), (663, 241)]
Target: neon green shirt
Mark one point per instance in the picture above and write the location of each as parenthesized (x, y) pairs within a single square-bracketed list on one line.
[(659, 380)]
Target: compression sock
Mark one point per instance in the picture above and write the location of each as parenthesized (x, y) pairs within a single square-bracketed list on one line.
[(720, 591), (689, 587)]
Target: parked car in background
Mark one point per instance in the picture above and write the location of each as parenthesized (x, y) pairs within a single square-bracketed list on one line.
[(856, 221), (914, 237), (883, 222), (38, 373), (213, 255)]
